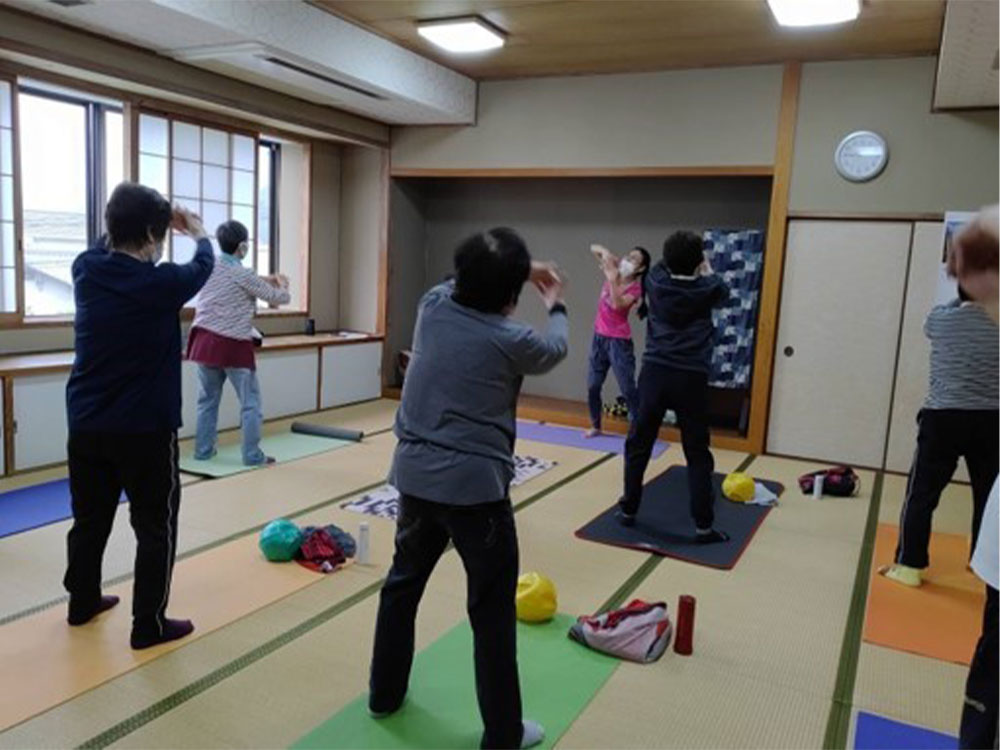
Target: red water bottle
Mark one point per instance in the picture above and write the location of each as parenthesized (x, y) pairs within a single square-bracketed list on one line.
[(684, 639)]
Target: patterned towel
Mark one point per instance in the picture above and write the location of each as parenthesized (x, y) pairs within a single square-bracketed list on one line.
[(738, 257), (384, 502)]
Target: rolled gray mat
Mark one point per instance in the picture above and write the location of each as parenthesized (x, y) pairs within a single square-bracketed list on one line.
[(322, 430)]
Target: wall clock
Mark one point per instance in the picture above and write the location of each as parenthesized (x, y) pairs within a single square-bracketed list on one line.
[(861, 156)]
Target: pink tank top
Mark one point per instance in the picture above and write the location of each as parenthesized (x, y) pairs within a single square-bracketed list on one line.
[(611, 322)]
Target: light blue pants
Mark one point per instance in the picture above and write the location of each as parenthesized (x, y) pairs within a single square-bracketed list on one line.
[(211, 380)]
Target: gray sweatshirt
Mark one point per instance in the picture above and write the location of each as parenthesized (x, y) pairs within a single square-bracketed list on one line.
[(456, 423)]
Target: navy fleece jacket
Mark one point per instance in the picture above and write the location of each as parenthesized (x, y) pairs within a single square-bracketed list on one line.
[(679, 327), (126, 377)]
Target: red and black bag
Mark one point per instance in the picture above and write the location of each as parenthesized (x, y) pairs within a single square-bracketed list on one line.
[(840, 481)]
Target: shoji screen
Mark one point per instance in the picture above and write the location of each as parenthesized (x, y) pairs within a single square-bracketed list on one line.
[(841, 306)]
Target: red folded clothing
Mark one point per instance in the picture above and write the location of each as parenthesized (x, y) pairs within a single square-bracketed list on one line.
[(320, 552)]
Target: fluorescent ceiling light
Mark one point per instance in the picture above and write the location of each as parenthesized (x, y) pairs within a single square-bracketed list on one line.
[(814, 12), (461, 35)]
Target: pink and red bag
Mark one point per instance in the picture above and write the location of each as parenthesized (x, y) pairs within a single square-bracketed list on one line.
[(640, 632)]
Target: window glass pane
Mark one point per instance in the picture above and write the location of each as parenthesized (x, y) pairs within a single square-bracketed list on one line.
[(243, 152), (6, 243), (153, 135), (243, 187), (5, 120), (184, 248), (187, 141), (53, 140), (153, 172), (215, 147), (114, 151), (244, 215), (6, 151), (6, 198), (216, 183), (187, 180), (213, 215), (8, 290), (264, 209)]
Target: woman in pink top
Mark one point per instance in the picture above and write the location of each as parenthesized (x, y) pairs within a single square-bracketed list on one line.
[(612, 345)]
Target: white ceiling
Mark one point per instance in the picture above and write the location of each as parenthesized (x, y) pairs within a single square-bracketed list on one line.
[(966, 74), (236, 38)]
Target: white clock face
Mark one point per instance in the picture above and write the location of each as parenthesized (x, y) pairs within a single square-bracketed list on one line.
[(861, 156)]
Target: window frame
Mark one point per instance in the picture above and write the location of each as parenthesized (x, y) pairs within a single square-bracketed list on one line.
[(14, 318), (95, 160), (132, 103), (274, 231), (172, 117)]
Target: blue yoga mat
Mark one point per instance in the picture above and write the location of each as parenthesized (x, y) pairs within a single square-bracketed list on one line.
[(877, 733), (38, 505), (663, 525), (573, 438)]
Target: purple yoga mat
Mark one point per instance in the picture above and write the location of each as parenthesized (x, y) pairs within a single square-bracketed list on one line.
[(573, 438)]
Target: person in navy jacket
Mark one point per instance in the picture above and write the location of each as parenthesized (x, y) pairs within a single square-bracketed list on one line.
[(123, 404)]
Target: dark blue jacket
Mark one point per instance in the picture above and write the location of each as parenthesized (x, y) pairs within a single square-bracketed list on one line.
[(126, 377), (679, 327)]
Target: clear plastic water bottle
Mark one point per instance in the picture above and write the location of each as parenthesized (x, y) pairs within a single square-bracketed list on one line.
[(364, 541), (818, 486)]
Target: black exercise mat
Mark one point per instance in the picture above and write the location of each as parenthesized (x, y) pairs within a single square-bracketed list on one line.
[(664, 526)]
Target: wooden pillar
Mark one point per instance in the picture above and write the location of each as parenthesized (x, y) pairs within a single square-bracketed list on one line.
[(774, 259)]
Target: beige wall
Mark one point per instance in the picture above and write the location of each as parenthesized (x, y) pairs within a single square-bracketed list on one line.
[(360, 236), (324, 253), (936, 161), (721, 116)]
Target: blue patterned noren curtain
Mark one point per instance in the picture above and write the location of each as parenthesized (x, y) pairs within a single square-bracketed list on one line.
[(738, 256)]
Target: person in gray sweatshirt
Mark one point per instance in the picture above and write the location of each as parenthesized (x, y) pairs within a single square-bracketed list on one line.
[(453, 466)]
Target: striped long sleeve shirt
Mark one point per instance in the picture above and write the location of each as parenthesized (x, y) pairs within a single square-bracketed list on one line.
[(965, 357), (227, 303)]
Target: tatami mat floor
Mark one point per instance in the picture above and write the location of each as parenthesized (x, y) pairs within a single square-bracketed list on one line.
[(768, 642)]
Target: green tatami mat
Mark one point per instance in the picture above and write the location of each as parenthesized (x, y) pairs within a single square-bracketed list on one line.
[(284, 447), (558, 680)]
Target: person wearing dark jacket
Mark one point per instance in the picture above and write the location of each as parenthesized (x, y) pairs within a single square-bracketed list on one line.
[(123, 404), (681, 291)]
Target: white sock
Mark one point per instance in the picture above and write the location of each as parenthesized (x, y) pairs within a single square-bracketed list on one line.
[(533, 734)]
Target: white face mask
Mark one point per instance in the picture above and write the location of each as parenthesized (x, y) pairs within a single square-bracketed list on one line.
[(626, 267)]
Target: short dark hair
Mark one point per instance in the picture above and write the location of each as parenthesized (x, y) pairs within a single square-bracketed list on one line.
[(490, 269), (230, 234), (683, 252), (135, 213)]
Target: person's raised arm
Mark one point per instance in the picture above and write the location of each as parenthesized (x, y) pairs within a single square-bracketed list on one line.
[(191, 276), (607, 261), (273, 292), (620, 300), (536, 353)]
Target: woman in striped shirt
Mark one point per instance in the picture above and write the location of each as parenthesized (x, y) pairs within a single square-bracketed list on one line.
[(221, 342)]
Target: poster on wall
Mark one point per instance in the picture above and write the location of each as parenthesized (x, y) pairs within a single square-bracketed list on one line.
[(947, 287)]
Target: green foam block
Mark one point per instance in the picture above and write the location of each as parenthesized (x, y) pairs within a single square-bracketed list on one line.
[(558, 679), (283, 447)]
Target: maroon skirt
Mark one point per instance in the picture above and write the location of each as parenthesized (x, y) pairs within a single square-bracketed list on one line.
[(211, 349)]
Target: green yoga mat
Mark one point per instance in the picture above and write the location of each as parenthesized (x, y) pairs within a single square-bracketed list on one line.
[(284, 447), (558, 679)]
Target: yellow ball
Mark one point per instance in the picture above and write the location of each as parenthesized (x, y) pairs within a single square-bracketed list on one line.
[(739, 487), (536, 598)]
